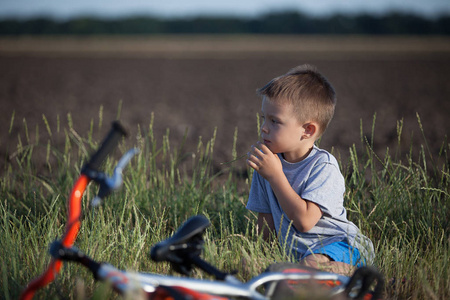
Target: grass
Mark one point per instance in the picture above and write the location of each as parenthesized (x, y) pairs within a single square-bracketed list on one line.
[(401, 203)]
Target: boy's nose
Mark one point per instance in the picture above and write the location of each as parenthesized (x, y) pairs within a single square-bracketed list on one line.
[(264, 128)]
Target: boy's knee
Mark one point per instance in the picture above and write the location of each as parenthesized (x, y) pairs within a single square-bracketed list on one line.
[(315, 260), (324, 263)]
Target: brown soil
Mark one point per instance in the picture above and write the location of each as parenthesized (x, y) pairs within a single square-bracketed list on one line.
[(211, 83)]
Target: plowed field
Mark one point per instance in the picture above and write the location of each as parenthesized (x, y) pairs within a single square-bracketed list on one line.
[(201, 83)]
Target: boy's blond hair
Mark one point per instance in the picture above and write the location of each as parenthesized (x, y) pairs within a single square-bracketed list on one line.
[(311, 95)]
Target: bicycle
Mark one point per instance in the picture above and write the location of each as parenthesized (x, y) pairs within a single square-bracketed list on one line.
[(182, 250)]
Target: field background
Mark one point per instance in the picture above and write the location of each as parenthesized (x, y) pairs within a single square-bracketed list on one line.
[(58, 96), (203, 82)]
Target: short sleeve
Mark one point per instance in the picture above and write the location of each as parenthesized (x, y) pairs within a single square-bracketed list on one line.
[(326, 187), (258, 200)]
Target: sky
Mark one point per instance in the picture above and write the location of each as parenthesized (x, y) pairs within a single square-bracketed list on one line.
[(65, 9)]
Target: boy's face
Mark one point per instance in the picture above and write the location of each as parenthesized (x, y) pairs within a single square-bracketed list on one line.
[(281, 131)]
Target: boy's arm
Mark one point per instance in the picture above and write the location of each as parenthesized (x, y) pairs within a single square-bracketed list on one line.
[(266, 227), (304, 214)]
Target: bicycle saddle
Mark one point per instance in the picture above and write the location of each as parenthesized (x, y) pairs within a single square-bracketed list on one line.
[(184, 244)]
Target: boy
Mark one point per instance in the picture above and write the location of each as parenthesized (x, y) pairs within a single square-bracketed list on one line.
[(297, 188)]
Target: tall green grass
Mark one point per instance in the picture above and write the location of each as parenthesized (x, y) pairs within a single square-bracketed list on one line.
[(400, 202)]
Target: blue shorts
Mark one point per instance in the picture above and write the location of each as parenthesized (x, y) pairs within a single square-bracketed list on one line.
[(343, 252)]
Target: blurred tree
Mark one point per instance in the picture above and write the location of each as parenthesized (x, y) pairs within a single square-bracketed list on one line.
[(273, 23)]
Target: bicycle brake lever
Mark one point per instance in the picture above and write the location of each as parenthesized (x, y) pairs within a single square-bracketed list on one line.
[(109, 184)]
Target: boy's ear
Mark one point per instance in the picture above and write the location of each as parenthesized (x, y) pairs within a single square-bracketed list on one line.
[(310, 129)]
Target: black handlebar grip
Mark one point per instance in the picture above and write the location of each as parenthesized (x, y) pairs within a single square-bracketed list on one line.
[(108, 145)]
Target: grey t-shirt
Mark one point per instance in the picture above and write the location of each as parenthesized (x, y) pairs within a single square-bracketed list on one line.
[(318, 179)]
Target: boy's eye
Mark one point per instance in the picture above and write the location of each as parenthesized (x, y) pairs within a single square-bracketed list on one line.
[(274, 121)]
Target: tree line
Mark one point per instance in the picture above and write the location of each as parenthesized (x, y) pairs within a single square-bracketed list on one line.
[(274, 23)]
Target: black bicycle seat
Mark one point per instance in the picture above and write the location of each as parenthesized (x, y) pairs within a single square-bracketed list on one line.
[(186, 242)]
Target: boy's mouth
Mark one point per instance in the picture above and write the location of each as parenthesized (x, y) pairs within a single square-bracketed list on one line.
[(266, 142)]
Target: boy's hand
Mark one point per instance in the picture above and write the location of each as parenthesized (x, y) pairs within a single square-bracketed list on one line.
[(266, 163)]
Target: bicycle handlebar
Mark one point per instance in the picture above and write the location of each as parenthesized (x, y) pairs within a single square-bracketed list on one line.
[(90, 171)]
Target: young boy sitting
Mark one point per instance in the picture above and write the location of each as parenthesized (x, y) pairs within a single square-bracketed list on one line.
[(297, 188)]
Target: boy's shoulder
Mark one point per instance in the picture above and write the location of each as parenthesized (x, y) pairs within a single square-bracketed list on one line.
[(322, 156)]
